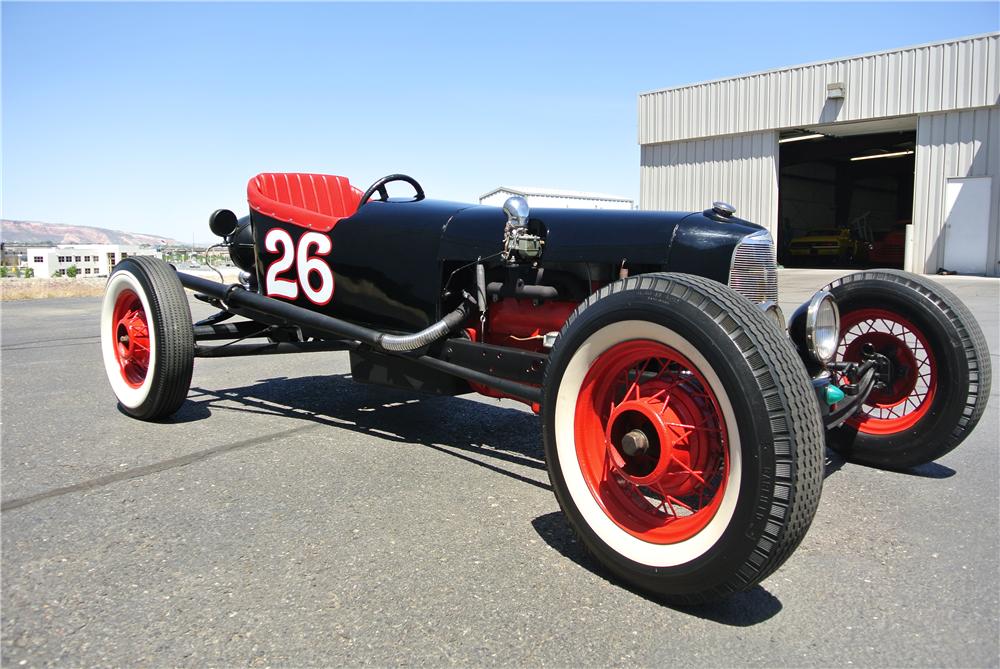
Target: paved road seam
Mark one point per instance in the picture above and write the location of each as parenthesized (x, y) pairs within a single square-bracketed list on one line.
[(145, 470)]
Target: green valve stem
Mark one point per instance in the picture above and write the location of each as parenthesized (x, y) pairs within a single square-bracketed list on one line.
[(833, 394)]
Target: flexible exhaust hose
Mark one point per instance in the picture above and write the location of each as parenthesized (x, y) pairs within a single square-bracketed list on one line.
[(430, 334)]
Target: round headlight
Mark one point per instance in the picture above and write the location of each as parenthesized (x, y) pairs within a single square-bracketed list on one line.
[(823, 327)]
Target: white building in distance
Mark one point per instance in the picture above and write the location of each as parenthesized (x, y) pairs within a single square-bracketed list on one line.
[(557, 199), (90, 259)]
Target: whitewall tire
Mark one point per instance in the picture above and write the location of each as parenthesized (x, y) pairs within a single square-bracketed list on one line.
[(147, 340), (682, 436)]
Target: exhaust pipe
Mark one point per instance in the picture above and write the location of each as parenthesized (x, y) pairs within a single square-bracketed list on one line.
[(429, 335), (239, 297)]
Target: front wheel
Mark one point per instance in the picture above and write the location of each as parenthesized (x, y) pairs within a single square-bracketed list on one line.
[(938, 362), (682, 436), (147, 341)]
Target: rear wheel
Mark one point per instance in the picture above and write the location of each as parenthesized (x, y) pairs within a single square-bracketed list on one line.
[(147, 341), (682, 436), (939, 362)]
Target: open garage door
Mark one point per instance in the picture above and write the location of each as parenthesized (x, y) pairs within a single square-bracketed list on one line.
[(845, 194)]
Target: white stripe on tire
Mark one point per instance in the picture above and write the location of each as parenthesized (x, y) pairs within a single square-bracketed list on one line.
[(130, 397), (625, 544)]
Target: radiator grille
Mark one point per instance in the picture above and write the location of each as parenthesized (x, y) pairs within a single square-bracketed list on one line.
[(754, 273)]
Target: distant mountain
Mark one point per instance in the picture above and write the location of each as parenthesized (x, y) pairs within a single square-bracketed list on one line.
[(28, 232)]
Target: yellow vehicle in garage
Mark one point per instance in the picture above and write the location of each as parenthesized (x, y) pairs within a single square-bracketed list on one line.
[(830, 244)]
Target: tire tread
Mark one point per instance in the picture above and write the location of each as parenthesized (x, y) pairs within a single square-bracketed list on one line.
[(970, 336), (790, 403), (171, 319)]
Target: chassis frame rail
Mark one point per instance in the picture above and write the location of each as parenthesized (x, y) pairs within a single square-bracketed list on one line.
[(243, 300)]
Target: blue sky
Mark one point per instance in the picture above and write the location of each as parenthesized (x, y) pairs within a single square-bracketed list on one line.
[(146, 117)]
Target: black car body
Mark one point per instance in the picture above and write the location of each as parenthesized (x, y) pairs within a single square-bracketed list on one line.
[(403, 252), (683, 419)]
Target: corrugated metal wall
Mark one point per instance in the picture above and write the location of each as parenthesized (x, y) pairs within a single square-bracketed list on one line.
[(689, 176), (953, 144), (923, 79)]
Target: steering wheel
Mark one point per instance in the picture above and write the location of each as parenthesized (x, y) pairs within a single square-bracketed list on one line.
[(379, 186)]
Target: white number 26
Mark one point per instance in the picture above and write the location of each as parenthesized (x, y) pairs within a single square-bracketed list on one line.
[(305, 266)]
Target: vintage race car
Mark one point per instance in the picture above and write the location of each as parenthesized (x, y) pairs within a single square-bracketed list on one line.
[(684, 423)]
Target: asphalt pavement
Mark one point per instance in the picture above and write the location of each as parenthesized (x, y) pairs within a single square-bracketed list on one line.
[(289, 517)]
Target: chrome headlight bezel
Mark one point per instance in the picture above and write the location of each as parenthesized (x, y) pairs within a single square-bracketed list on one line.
[(775, 314), (822, 327)]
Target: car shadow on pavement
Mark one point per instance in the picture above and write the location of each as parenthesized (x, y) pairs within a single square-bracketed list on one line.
[(188, 413), (742, 609), (485, 434), (495, 437), (930, 470)]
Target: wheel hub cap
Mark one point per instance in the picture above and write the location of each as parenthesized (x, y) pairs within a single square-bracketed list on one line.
[(635, 442)]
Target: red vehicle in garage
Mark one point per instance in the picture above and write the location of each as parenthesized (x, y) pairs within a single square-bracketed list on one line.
[(890, 249), (684, 424)]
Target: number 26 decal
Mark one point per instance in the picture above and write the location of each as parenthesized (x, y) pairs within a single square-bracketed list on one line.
[(305, 266)]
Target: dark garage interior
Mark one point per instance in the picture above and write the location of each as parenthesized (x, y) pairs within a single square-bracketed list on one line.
[(844, 201)]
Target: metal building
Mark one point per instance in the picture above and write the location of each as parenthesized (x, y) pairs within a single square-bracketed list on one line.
[(858, 161), (558, 199)]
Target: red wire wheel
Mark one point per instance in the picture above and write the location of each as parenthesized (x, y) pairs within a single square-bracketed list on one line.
[(681, 436), (131, 334), (651, 441), (904, 401), (939, 368)]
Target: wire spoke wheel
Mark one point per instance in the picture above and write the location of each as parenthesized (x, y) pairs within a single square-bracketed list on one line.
[(651, 441), (675, 438), (909, 393), (939, 374), (131, 338)]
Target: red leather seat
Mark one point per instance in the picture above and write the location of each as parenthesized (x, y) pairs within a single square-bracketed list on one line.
[(313, 201)]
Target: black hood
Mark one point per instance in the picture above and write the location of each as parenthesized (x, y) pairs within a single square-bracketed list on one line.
[(703, 244), (678, 241)]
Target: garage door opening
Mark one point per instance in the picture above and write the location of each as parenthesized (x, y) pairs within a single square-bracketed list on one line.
[(845, 199)]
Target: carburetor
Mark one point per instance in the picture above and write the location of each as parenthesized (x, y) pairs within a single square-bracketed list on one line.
[(519, 243)]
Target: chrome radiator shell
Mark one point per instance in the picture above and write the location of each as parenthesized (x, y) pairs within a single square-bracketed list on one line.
[(753, 271)]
